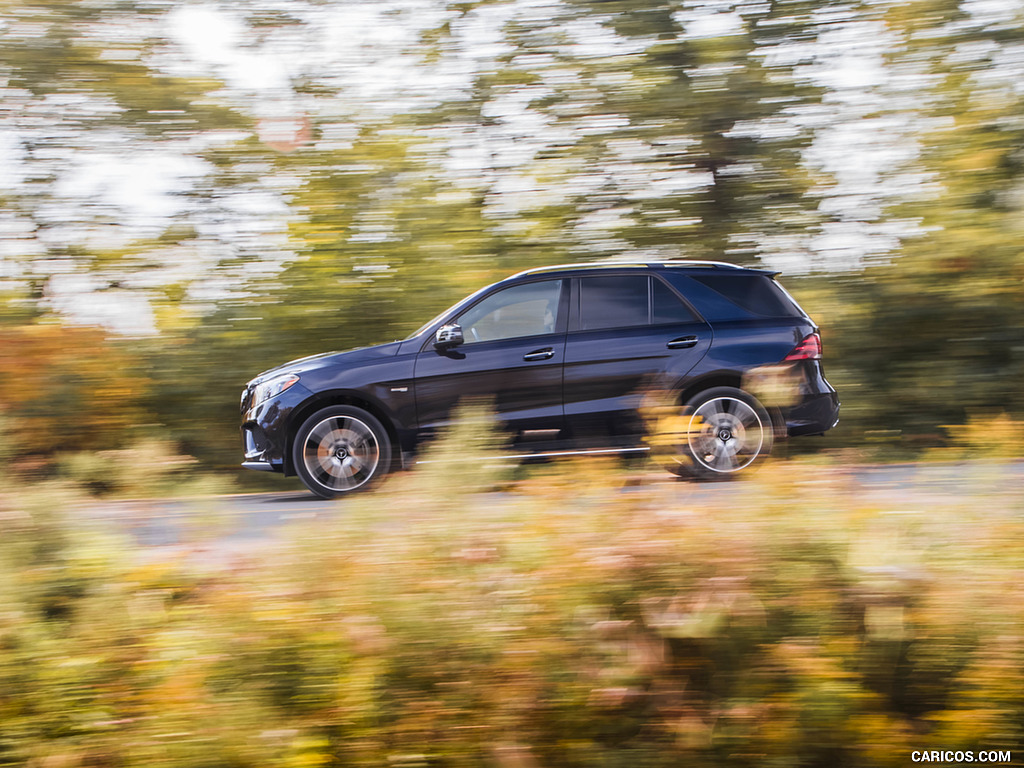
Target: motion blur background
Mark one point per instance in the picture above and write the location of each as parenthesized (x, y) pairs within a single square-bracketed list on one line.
[(195, 192)]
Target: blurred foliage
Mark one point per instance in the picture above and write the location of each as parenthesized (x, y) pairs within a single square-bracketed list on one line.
[(932, 337), (68, 389), (572, 620), (922, 349), (986, 437), (145, 469), (579, 131)]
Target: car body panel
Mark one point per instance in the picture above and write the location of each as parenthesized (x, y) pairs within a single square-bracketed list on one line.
[(524, 393), (607, 372), (744, 344), (265, 425)]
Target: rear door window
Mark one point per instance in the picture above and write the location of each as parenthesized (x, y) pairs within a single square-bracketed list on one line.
[(619, 301), (758, 294)]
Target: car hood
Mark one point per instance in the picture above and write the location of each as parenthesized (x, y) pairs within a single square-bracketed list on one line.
[(329, 359)]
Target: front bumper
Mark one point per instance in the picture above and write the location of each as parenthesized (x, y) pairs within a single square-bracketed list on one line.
[(260, 466), (265, 430)]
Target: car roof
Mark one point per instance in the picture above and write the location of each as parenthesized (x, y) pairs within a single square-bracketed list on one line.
[(596, 266)]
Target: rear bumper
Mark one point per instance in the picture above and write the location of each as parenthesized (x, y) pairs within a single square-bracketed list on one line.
[(817, 407), (813, 415)]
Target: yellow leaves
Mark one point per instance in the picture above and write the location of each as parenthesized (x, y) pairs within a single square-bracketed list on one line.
[(776, 386), (705, 611), (307, 752), (980, 160), (671, 427), (567, 620), (986, 437), (67, 388)]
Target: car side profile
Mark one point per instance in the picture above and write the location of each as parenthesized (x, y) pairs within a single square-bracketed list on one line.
[(567, 355)]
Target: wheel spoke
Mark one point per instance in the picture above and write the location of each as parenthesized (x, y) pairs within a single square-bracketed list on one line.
[(724, 458), (726, 434), (318, 434), (358, 443), (341, 453), (321, 473)]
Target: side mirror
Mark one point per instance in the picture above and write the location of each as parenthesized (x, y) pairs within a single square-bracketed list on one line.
[(448, 336)]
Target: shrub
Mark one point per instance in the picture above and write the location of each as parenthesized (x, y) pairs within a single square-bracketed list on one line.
[(568, 620)]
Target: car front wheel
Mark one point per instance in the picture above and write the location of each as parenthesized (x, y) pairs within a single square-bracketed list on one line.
[(339, 450), (726, 431)]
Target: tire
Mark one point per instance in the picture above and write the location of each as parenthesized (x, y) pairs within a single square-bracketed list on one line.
[(727, 432), (340, 450)]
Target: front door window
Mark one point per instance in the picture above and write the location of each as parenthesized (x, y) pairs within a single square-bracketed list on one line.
[(522, 310)]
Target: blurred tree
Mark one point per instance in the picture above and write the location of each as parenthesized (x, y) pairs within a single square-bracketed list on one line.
[(934, 335), (102, 147), (68, 389), (665, 129), (717, 117), (381, 245)]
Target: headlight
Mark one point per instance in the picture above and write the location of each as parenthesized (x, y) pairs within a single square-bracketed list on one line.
[(273, 387)]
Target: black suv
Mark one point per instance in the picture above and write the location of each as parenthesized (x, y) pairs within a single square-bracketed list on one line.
[(566, 355)]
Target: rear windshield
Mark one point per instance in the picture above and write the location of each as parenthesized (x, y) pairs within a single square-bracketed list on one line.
[(732, 296)]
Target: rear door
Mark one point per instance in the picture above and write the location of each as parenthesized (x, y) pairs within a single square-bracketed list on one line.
[(628, 334)]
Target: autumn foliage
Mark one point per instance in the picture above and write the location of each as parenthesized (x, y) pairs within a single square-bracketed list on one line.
[(67, 388), (566, 619)]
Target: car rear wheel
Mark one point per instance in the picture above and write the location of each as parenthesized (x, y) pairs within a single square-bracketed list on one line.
[(339, 450), (726, 432)]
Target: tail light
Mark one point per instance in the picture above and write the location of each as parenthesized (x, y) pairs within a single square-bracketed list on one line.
[(808, 349)]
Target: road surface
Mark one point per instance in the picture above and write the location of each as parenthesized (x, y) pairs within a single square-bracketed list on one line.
[(243, 521)]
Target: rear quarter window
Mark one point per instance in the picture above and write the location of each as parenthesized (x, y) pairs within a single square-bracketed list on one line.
[(735, 297)]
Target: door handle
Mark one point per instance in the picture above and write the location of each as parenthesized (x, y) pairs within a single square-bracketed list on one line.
[(541, 354), (683, 342)]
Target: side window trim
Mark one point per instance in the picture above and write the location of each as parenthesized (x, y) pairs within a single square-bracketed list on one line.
[(574, 306), (650, 302), (562, 321)]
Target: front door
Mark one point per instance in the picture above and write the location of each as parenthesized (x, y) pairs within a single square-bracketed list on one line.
[(511, 359)]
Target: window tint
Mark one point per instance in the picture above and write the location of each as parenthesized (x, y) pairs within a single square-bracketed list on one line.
[(733, 297), (522, 310), (666, 307), (757, 294), (613, 302)]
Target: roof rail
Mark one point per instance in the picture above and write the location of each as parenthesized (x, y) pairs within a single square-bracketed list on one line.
[(584, 265), (635, 263), (698, 263)]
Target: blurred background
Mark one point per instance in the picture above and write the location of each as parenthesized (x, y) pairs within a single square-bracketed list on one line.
[(194, 192)]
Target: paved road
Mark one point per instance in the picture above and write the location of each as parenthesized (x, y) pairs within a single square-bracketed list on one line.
[(245, 520)]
